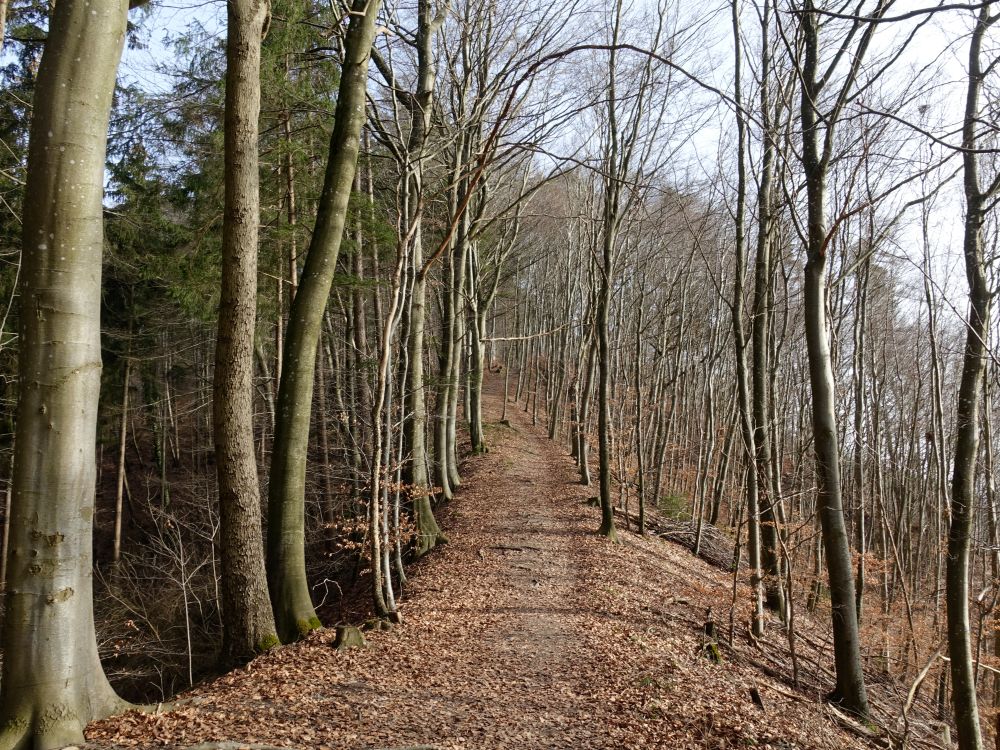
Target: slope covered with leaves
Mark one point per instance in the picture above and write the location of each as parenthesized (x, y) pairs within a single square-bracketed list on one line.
[(526, 631)]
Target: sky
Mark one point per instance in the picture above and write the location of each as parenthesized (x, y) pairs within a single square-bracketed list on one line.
[(162, 22), (937, 44)]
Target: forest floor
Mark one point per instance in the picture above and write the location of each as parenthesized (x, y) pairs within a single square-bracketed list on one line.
[(527, 630)]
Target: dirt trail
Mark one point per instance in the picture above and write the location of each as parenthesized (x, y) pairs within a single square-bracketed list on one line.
[(526, 631), (494, 648), (531, 620)]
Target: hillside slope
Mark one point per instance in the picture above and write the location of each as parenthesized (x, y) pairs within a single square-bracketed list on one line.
[(526, 631)]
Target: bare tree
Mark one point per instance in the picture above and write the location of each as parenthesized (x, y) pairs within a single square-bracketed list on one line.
[(977, 202), (290, 598)]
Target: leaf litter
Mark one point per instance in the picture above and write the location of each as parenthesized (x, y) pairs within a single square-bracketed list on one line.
[(526, 631)]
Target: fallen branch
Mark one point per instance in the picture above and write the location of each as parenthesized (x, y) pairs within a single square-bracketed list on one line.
[(716, 547), (851, 725), (912, 694)]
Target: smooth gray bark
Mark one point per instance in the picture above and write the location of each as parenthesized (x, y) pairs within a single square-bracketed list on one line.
[(429, 534), (770, 557), (53, 683), (963, 482), (850, 689), (290, 599), (740, 346)]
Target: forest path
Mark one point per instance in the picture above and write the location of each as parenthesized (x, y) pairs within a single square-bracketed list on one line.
[(527, 630)]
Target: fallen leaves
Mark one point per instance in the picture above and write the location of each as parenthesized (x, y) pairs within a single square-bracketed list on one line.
[(526, 631)]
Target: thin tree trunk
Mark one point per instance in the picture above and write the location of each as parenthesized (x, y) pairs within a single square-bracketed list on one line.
[(122, 444), (637, 372), (582, 427), (850, 688), (428, 532), (740, 344), (8, 496), (760, 327), (963, 489), (859, 427)]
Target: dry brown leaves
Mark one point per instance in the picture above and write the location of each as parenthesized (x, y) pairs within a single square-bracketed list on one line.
[(527, 631)]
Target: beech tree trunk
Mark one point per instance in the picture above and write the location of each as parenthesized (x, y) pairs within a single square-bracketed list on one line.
[(583, 445), (53, 683), (286, 566), (477, 351), (120, 478), (607, 527), (752, 483), (850, 690), (428, 532), (770, 557), (963, 482)]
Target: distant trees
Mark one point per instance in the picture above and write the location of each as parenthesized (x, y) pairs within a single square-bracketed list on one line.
[(843, 193)]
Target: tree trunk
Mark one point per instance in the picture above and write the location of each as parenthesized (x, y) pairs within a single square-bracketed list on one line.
[(445, 437), (640, 487), (847, 647), (860, 321), (607, 527), (453, 395), (8, 497), (446, 362), (428, 532), (120, 478), (850, 688), (290, 599), (963, 489), (752, 483), (760, 327), (53, 683), (477, 318), (248, 625)]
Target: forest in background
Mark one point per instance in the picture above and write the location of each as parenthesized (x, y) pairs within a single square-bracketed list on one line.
[(739, 261)]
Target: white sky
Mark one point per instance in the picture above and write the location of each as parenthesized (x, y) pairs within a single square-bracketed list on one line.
[(943, 41)]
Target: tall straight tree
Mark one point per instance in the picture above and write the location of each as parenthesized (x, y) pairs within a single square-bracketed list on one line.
[(963, 482), (429, 534), (246, 611), (740, 339), (817, 152), (770, 557), (627, 141), (53, 683), (615, 169), (286, 563)]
